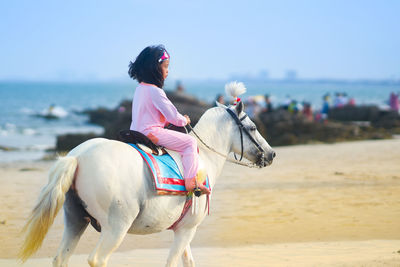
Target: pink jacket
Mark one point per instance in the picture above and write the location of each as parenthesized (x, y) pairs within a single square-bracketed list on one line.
[(152, 109)]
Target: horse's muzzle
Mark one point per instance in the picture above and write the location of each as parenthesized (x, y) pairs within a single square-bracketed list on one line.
[(264, 161)]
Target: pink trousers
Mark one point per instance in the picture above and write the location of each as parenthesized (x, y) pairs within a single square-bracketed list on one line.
[(184, 144)]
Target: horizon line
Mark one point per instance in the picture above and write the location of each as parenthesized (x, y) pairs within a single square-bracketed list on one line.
[(392, 81)]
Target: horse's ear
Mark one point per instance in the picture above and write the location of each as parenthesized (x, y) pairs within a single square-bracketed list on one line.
[(239, 107), (220, 105)]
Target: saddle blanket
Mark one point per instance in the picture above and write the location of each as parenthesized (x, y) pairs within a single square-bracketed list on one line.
[(167, 177)]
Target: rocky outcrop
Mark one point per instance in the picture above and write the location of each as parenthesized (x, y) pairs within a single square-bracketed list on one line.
[(189, 105), (280, 127), (354, 113), (283, 128), (387, 119), (120, 118)]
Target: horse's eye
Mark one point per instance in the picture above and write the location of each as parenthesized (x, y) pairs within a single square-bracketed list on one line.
[(253, 128)]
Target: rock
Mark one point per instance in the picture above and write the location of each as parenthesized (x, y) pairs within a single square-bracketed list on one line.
[(387, 119), (280, 127), (179, 97), (69, 141), (354, 113)]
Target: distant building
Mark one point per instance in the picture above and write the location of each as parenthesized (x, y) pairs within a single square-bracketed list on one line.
[(291, 75), (263, 75)]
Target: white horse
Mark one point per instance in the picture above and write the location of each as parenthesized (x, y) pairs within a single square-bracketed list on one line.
[(108, 182)]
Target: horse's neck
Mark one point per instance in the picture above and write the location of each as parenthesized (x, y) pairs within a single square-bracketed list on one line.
[(217, 136)]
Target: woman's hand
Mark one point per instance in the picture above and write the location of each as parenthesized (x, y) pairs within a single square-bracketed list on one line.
[(187, 119)]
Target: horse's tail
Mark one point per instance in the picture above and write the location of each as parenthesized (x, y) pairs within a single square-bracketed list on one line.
[(51, 199)]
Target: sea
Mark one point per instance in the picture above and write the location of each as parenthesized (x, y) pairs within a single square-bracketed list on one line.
[(27, 134)]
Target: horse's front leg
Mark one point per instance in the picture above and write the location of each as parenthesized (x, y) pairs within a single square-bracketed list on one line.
[(182, 239), (187, 257)]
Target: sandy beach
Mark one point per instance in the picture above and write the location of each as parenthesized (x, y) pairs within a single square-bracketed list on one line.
[(317, 205)]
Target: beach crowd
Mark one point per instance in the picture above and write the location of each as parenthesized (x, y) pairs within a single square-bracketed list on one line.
[(259, 104)]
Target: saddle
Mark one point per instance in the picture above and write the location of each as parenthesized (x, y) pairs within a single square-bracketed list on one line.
[(165, 165), (143, 142)]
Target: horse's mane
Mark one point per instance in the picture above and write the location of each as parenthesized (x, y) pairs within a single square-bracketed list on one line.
[(210, 120)]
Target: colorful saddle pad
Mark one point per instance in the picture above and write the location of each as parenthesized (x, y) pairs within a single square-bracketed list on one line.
[(166, 174)]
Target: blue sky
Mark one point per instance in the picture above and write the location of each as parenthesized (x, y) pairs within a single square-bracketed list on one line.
[(95, 40)]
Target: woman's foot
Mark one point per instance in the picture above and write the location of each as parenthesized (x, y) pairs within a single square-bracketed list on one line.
[(190, 184)]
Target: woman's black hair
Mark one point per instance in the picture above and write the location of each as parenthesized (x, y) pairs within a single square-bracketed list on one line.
[(147, 67)]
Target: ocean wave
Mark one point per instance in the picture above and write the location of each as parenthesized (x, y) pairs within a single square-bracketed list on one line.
[(10, 126), (28, 131), (12, 129)]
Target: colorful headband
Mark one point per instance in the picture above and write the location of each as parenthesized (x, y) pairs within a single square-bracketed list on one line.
[(236, 100), (164, 57)]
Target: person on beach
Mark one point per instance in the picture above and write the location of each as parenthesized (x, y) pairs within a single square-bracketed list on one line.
[(152, 110), (325, 107), (220, 99), (268, 105), (394, 102), (307, 111)]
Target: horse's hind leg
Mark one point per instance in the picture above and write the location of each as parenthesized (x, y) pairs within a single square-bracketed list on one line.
[(114, 227), (109, 241), (182, 239), (74, 226)]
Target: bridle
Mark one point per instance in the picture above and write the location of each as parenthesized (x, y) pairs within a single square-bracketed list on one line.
[(241, 130)]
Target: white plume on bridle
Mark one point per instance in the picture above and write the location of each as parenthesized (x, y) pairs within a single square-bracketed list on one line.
[(235, 89)]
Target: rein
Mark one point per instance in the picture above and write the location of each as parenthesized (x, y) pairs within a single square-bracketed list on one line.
[(241, 128)]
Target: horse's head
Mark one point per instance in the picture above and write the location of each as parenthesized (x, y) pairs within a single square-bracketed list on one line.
[(246, 141), (234, 131)]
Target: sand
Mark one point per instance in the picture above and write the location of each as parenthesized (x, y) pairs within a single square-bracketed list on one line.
[(317, 205)]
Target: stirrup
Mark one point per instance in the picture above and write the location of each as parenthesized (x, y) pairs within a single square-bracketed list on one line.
[(197, 192)]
